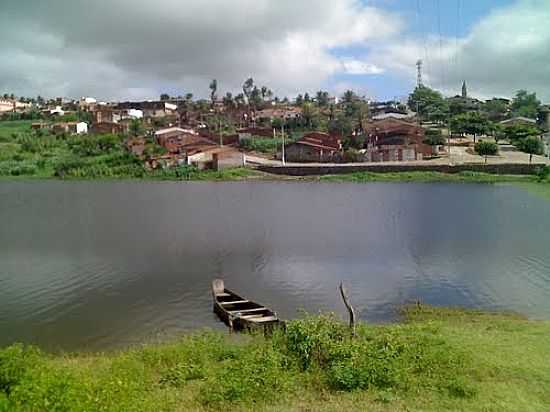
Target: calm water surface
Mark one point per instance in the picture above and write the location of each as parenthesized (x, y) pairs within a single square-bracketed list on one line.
[(97, 265)]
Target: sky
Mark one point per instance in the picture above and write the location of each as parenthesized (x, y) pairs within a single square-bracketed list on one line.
[(137, 49)]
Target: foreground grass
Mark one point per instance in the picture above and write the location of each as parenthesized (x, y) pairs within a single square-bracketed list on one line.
[(439, 359)]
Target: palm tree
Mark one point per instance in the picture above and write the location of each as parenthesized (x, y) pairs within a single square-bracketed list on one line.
[(213, 89)]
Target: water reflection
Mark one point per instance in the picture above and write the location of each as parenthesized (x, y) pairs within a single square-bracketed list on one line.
[(98, 265)]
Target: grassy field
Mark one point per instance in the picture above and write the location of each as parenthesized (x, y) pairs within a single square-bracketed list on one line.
[(471, 177), (437, 359)]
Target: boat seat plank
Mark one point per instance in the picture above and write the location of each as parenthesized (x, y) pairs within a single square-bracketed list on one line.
[(222, 295), (234, 302), (247, 310), (265, 319), (251, 316)]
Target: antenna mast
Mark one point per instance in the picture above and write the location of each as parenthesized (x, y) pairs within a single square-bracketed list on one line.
[(419, 73)]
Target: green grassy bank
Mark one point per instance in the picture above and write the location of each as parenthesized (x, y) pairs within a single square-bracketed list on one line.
[(438, 359)]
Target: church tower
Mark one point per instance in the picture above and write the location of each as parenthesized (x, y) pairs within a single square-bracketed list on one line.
[(464, 90)]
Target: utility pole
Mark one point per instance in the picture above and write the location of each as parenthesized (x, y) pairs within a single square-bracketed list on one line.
[(283, 148), (449, 140), (220, 131)]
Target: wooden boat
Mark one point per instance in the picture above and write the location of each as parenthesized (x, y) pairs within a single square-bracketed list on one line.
[(239, 313)]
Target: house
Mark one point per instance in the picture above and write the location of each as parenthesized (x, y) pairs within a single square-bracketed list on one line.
[(519, 121), (315, 147), (393, 115), (150, 109), (179, 141), (70, 127), (8, 105), (57, 111), (395, 140)]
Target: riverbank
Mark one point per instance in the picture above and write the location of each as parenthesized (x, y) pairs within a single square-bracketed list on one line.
[(437, 359)]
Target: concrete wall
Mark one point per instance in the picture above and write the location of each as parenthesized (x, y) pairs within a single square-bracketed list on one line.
[(505, 169)]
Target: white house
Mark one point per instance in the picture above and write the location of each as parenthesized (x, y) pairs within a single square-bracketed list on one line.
[(58, 111), (135, 114), (82, 128)]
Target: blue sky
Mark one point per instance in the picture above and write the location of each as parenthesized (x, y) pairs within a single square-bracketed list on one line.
[(450, 18)]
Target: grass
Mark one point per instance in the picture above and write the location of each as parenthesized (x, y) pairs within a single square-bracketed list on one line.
[(437, 359), (472, 177)]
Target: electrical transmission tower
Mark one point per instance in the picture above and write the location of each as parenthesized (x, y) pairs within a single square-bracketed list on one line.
[(419, 73)]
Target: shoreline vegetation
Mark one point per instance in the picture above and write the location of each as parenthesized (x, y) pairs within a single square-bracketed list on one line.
[(435, 359)]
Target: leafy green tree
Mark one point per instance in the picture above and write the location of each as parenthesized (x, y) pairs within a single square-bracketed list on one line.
[(520, 132), (322, 98), (164, 97), (473, 123), (434, 137), (299, 100), (438, 112), (255, 97), (307, 99), (495, 109), (485, 149), (136, 128), (425, 100), (526, 104), (349, 96), (532, 146), (341, 125), (228, 101), (248, 86), (189, 97)]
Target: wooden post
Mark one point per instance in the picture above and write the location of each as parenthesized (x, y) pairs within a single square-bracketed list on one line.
[(349, 308)]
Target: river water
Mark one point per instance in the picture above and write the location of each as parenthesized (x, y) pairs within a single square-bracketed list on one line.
[(100, 265)]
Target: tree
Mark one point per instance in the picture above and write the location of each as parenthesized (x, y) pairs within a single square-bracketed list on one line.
[(136, 128), (525, 104), (240, 99), (497, 130), (434, 137), (308, 113), (486, 149), (255, 97), (164, 97), (228, 101), (532, 146), (307, 99), (248, 86), (213, 89), (519, 132), (424, 99), (322, 98), (349, 96), (473, 123), (299, 100), (189, 97), (495, 109), (438, 112)]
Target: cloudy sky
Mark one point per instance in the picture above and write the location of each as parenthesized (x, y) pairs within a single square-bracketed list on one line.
[(132, 49)]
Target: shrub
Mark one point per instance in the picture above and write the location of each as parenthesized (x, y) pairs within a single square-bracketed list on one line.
[(258, 373), (352, 155), (485, 149), (15, 362), (314, 340)]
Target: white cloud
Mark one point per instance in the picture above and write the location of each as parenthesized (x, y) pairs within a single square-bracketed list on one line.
[(506, 51), (128, 47), (359, 67)]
